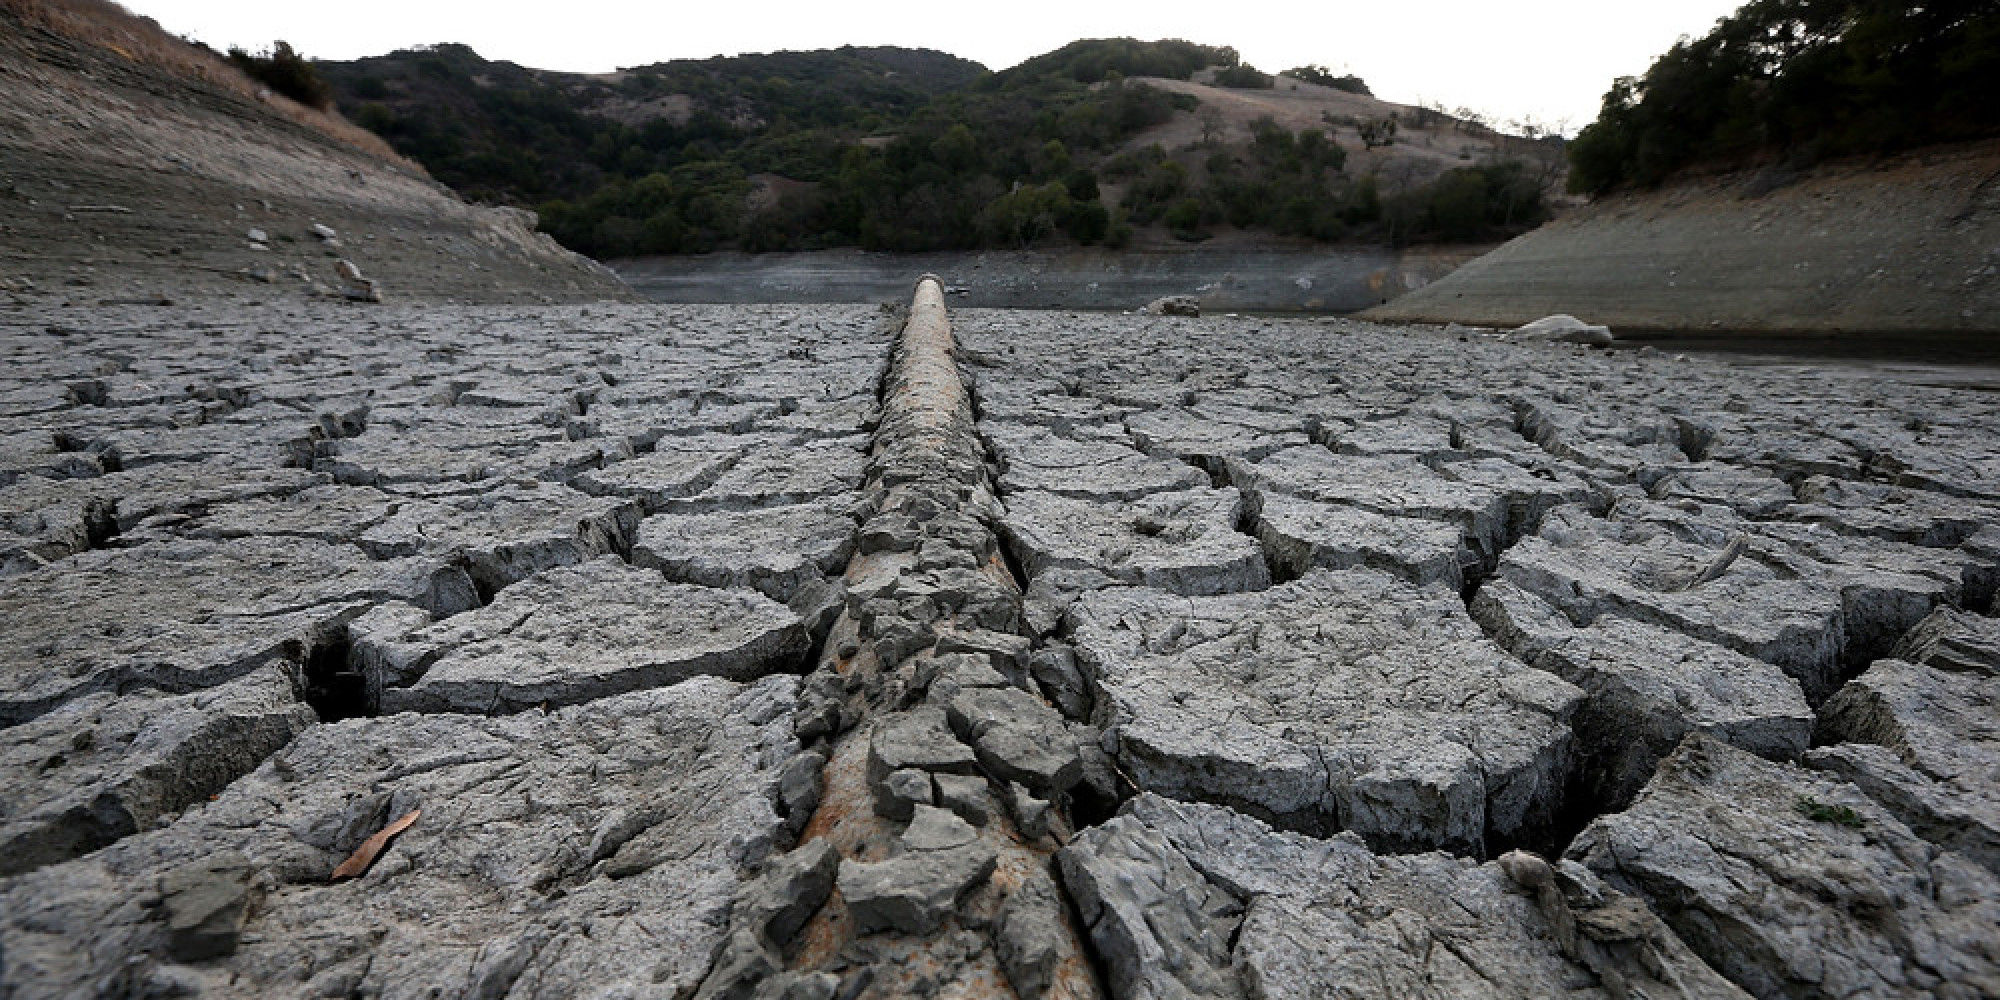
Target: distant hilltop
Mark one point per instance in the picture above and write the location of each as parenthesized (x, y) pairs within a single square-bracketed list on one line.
[(1104, 142)]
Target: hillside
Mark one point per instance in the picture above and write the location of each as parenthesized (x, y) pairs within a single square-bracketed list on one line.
[(1804, 167), (501, 132), (135, 166), (1910, 245), (1108, 141)]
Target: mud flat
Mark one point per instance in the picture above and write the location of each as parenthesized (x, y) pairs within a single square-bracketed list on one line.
[(835, 651), (1224, 278)]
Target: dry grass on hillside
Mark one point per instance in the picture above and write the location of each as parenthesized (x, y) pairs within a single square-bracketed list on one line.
[(106, 25)]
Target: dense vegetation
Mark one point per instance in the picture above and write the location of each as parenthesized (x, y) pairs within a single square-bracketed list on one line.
[(287, 72), (1796, 81), (889, 149), (499, 132), (1313, 73)]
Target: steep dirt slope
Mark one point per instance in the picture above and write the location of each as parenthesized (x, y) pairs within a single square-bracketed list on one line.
[(1908, 245), (127, 175)]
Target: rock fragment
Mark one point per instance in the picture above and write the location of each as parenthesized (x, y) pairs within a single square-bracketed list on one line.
[(1029, 935), (919, 739), (1795, 885), (353, 286), (106, 766), (1920, 741), (1566, 329), (205, 903), (915, 891), (1173, 305), (767, 915), (1160, 928), (1017, 738), (576, 633), (1184, 543)]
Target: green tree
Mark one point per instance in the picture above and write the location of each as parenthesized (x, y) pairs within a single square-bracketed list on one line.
[(1799, 80), (287, 72), (1313, 73)]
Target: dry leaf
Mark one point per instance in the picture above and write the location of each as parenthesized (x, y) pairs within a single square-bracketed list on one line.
[(363, 856)]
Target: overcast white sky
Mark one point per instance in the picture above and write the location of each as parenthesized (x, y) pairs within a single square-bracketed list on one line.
[(1552, 59)]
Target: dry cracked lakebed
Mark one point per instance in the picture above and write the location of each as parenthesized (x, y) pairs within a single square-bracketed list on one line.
[(835, 652)]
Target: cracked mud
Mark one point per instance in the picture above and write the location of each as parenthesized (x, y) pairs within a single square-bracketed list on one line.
[(816, 652)]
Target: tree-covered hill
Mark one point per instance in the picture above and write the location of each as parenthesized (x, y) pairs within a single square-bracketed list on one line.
[(501, 132), (1796, 81), (899, 149)]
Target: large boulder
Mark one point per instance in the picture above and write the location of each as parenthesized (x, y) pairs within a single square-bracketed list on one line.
[(1566, 329), (1173, 305)]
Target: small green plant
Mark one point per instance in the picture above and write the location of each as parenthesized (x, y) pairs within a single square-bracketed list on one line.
[(1820, 812)]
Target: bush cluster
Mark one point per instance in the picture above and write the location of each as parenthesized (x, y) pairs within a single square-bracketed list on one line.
[(285, 72), (1325, 78)]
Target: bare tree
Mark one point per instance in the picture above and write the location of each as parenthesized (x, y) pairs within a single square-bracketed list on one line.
[(1212, 124)]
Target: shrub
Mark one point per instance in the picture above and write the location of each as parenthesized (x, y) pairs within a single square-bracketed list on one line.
[(1324, 77), (1243, 77), (286, 72)]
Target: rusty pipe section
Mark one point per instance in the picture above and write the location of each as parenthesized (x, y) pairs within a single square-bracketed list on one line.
[(935, 795)]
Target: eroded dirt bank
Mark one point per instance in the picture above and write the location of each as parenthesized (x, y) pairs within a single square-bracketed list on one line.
[(832, 652), (122, 181), (1909, 245)]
